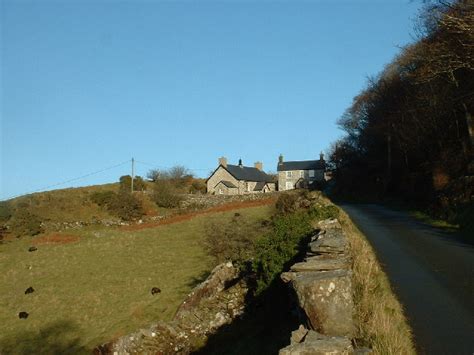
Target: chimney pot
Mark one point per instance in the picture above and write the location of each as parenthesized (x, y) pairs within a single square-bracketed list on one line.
[(223, 161), (240, 163), (280, 159), (321, 156), (259, 165)]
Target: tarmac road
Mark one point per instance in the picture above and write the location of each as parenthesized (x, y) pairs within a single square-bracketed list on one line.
[(431, 272)]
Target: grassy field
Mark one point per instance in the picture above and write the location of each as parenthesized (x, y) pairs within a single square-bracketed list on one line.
[(97, 287)]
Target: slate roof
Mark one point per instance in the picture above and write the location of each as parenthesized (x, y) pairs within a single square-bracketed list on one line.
[(302, 165), (228, 184), (247, 173), (259, 186)]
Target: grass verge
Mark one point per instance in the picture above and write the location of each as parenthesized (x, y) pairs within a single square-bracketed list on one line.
[(380, 319)]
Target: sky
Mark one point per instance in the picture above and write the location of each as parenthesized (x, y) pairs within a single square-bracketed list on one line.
[(87, 85)]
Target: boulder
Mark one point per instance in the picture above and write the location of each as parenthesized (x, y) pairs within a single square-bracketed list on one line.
[(326, 299), (318, 344)]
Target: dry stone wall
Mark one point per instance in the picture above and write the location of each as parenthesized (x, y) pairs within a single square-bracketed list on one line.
[(322, 284)]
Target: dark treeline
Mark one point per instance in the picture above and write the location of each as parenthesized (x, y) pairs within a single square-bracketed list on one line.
[(410, 132)]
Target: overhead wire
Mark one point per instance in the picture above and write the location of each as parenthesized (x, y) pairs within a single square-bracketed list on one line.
[(70, 180)]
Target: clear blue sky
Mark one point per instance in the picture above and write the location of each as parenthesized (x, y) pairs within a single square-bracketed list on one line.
[(89, 84)]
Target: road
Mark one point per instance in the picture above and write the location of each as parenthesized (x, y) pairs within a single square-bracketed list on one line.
[(431, 272)]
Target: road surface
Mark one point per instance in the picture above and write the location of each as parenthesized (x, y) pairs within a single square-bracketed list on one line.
[(431, 272)]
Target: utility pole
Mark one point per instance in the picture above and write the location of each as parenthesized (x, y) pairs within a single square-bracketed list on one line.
[(133, 173)]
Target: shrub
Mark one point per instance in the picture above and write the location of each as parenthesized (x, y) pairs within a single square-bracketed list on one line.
[(231, 240), (103, 198), (198, 186), (24, 223), (286, 203), (279, 247), (321, 212), (125, 182), (5, 211), (165, 194), (126, 206)]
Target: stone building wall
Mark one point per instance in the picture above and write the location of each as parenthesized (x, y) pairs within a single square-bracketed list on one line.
[(219, 175), (297, 175)]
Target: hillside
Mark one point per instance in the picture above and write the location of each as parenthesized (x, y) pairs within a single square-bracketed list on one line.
[(93, 284), (74, 208)]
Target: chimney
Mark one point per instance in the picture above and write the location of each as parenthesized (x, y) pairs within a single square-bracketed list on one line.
[(240, 163), (321, 156), (223, 161), (280, 159), (258, 165)]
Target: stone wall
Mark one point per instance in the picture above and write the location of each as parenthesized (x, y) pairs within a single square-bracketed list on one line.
[(322, 285)]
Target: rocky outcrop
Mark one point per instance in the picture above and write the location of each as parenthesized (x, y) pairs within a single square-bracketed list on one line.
[(215, 302), (322, 284)]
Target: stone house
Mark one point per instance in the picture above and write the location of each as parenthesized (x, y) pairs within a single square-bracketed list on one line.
[(300, 174), (230, 179)]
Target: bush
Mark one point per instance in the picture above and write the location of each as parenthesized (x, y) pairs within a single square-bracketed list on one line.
[(198, 187), (5, 211), (103, 198), (24, 223), (320, 212), (125, 182), (126, 206), (165, 194), (286, 203), (279, 247), (231, 240)]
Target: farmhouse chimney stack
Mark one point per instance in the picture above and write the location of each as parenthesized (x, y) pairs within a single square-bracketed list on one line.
[(259, 165), (223, 161)]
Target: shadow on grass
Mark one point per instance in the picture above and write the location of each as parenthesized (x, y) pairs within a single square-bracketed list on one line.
[(57, 338), (267, 323)]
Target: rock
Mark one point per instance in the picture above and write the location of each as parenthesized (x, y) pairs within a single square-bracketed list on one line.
[(317, 344), (32, 249), (221, 276), (330, 223), (321, 263), (298, 335), (29, 290), (332, 242), (326, 299)]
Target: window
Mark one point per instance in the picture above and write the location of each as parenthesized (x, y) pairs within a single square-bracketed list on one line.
[(288, 174), (311, 173), (221, 192)]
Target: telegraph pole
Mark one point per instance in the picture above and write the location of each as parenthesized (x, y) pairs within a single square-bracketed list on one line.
[(133, 173)]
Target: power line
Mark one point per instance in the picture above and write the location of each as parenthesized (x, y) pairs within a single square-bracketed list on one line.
[(70, 180)]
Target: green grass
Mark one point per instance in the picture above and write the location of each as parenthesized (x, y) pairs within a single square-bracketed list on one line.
[(98, 288), (438, 223)]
